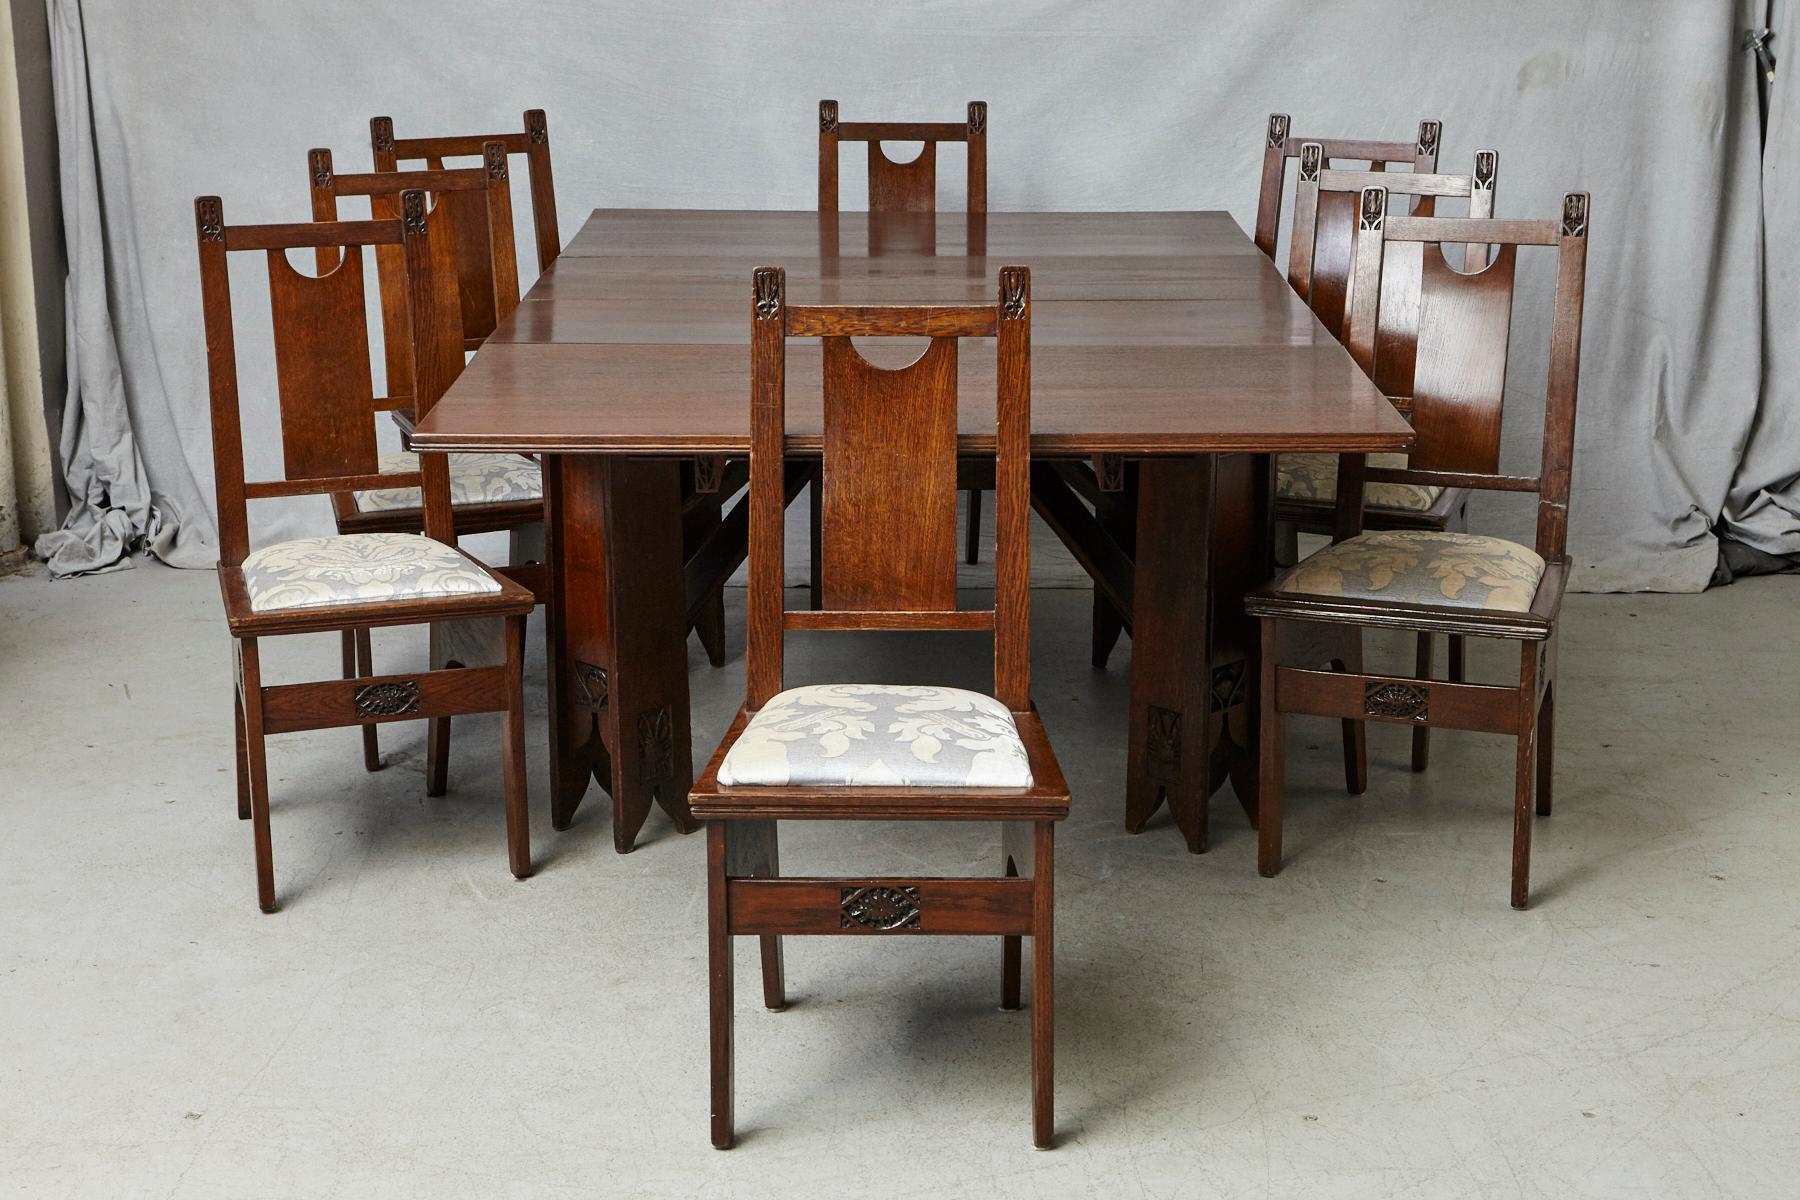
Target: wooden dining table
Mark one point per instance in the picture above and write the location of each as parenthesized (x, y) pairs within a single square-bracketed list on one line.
[(1169, 362)]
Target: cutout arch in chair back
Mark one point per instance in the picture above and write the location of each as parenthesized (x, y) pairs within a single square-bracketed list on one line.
[(889, 446), (903, 186)]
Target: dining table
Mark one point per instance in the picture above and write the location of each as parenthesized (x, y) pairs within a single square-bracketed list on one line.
[(1170, 361)]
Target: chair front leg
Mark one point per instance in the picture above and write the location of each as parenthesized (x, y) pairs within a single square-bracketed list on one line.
[(1524, 773), (1043, 976), (257, 768), (719, 983)]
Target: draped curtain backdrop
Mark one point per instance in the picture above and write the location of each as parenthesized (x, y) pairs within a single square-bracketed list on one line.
[(1688, 432)]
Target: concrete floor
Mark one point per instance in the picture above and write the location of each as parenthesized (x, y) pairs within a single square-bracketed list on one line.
[(1376, 1022)]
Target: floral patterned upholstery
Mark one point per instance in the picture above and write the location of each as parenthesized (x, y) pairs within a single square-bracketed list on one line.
[(474, 479), (879, 735), (1314, 477), (359, 568), (1459, 570)]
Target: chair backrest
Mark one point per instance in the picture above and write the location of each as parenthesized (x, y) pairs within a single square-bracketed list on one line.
[(1464, 323), (1335, 221), (324, 381), (1329, 295), (471, 209), (909, 186), (533, 142), (889, 447)]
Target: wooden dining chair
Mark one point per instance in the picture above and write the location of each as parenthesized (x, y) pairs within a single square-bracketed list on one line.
[(1443, 581), (871, 752), (1306, 484), (909, 187), (489, 492), (356, 581)]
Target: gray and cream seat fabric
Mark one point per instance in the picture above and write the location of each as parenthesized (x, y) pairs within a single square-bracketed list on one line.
[(871, 734), (360, 568), (478, 478), (1456, 570), (1314, 477)]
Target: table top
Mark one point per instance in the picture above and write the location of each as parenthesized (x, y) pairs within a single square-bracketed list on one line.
[(1152, 333)]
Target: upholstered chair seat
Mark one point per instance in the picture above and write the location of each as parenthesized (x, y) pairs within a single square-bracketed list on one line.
[(474, 479), (1314, 477), (1457, 570), (356, 568), (872, 734)]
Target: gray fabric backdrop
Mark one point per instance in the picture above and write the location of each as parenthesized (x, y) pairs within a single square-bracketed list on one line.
[(1648, 104)]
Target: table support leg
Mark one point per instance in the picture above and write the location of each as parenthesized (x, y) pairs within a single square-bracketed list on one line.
[(618, 690), (1202, 533), (1168, 752)]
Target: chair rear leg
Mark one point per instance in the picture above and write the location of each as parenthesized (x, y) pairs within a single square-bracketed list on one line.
[(1457, 647), (1271, 798), (437, 729), (257, 768), (973, 554), (437, 755), (719, 984), (1011, 947), (1546, 749), (765, 854), (243, 755), (1421, 734), (1108, 625), (1043, 988), (710, 626), (512, 753), (363, 664), (1356, 748), (1287, 543)]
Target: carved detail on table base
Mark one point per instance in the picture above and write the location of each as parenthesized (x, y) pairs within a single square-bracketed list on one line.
[(1162, 745), (656, 743)]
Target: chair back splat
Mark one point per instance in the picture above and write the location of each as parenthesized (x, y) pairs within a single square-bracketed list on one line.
[(1464, 323), (889, 450)]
